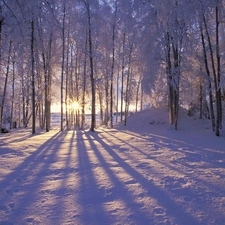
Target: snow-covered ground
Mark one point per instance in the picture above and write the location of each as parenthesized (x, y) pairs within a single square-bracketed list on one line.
[(144, 173)]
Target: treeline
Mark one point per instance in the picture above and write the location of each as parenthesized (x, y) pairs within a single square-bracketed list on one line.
[(109, 56)]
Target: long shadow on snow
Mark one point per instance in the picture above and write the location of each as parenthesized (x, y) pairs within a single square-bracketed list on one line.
[(173, 209), (134, 214), (30, 173), (193, 154), (90, 197)]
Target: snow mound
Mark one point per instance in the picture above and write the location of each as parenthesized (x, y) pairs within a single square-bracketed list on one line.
[(158, 118), (192, 123)]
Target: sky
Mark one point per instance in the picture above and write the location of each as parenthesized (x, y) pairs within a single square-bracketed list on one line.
[(144, 173)]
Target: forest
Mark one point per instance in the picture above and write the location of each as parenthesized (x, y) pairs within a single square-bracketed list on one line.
[(110, 57)]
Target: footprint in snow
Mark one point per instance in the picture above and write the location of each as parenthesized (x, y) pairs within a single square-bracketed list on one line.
[(174, 182), (123, 149), (4, 208), (9, 192), (158, 211), (187, 199), (29, 220), (11, 205)]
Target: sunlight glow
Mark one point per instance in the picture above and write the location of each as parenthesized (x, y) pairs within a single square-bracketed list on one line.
[(75, 105)]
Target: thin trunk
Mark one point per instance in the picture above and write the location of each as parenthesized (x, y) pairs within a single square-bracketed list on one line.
[(169, 80), (1, 25), (122, 78), (200, 100), (13, 96), (33, 78), (49, 82), (23, 100), (209, 80), (111, 78), (27, 104), (71, 85), (91, 69), (77, 85), (176, 81), (107, 101), (84, 86), (63, 62), (117, 95), (67, 77), (46, 90), (214, 76), (101, 108), (218, 88), (6, 82), (142, 96), (127, 100), (112, 68), (137, 94)]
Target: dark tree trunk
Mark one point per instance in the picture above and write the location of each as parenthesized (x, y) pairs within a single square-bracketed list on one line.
[(63, 65), (200, 100), (117, 95), (84, 85), (127, 100), (33, 79), (6, 82), (91, 69), (209, 80), (122, 78), (1, 25), (13, 96), (218, 87)]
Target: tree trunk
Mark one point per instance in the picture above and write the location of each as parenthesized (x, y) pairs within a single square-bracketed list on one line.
[(6, 82), (33, 79), (137, 94), (67, 81), (176, 82), (142, 96), (173, 78), (200, 100), (169, 80), (84, 85), (127, 100), (107, 101), (117, 95), (100, 96), (1, 25), (122, 78), (216, 74), (209, 80), (13, 96), (218, 88), (91, 69), (62, 66)]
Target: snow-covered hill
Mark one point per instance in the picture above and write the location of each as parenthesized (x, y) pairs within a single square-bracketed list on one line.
[(157, 118)]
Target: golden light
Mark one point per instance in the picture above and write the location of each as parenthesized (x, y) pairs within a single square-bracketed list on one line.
[(75, 105)]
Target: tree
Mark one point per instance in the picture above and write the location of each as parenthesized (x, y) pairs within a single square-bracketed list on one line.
[(6, 81), (90, 43)]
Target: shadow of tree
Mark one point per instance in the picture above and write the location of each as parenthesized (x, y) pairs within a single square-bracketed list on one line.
[(117, 177), (166, 204)]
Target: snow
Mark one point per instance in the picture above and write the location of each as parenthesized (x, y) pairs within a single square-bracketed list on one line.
[(144, 173)]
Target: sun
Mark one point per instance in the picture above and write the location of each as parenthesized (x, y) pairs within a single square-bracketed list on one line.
[(75, 105)]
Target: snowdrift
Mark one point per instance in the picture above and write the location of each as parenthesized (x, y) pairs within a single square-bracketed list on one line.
[(157, 118)]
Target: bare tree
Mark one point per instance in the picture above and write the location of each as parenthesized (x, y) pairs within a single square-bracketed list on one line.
[(93, 119), (6, 80)]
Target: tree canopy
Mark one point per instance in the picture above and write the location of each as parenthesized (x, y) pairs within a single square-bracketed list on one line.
[(110, 57)]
